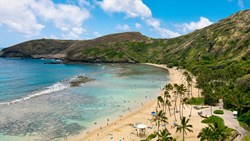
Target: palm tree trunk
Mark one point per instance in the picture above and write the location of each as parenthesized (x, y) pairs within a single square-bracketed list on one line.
[(190, 112), (169, 110), (175, 107), (165, 110), (180, 106), (182, 109), (158, 128), (183, 135), (164, 105)]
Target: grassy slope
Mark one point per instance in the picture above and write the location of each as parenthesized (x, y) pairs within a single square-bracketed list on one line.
[(37, 47), (219, 55)]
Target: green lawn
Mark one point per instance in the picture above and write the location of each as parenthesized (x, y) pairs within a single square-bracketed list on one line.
[(195, 101), (213, 119)]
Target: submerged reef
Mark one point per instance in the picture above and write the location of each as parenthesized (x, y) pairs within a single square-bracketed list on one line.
[(80, 80)]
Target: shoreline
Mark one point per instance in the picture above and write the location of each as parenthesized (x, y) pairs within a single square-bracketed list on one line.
[(121, 129)]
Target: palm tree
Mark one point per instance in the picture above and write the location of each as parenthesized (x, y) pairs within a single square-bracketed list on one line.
[(175, 100), (206, 134), (169, 87), (184, 127), (160, 102), (167, 101), (167, 95), (220, 131), (163, 135), (185, 73), (215, 132), (181, 91), (190, 84), (159, 118)]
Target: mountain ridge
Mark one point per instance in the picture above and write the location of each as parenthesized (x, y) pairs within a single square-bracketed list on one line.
[(218, 55), (121, 47)]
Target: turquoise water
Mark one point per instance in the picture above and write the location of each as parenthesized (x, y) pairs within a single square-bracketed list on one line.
[(37, 102)]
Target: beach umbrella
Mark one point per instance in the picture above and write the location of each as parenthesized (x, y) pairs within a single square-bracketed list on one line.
[(141, 126)]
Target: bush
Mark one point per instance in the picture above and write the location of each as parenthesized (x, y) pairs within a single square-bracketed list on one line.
[(218, 112), (213, 119)]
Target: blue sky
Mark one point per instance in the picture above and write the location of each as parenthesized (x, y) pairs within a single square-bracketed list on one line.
[(22, 20)]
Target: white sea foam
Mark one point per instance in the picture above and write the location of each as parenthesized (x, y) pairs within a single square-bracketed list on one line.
[(59, 86), (54, 88)]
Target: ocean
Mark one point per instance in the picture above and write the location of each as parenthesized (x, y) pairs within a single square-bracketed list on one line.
[(37, 102)]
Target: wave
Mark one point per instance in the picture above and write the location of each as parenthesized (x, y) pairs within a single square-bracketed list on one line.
[(54, 88)]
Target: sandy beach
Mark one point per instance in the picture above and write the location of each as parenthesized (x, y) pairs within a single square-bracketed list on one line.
[(122, 128)]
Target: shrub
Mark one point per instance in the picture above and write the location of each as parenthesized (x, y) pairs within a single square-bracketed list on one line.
[(218, 112)]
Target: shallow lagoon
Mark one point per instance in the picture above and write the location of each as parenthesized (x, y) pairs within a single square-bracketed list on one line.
[(61, 110)]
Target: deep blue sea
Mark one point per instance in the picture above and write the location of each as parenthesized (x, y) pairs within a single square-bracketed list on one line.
[(37, 102)]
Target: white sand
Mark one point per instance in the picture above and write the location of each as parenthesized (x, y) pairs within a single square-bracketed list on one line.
[(121, 129)]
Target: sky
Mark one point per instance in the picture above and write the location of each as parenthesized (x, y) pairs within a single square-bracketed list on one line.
[(22, 20)]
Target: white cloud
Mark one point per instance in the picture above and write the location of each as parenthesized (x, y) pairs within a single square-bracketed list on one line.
[(132, 8), (136, 8), (153, 22), (67, 18), (122, 27), (19, 17), (137, 25), (167, 33), (189, 27), (96, 34), (22, 16), (156, 24)]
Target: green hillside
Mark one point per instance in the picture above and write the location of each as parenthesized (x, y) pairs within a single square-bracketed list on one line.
[(219, 55)]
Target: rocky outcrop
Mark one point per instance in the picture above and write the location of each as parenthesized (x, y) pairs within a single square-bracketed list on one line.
[(80, 80)]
